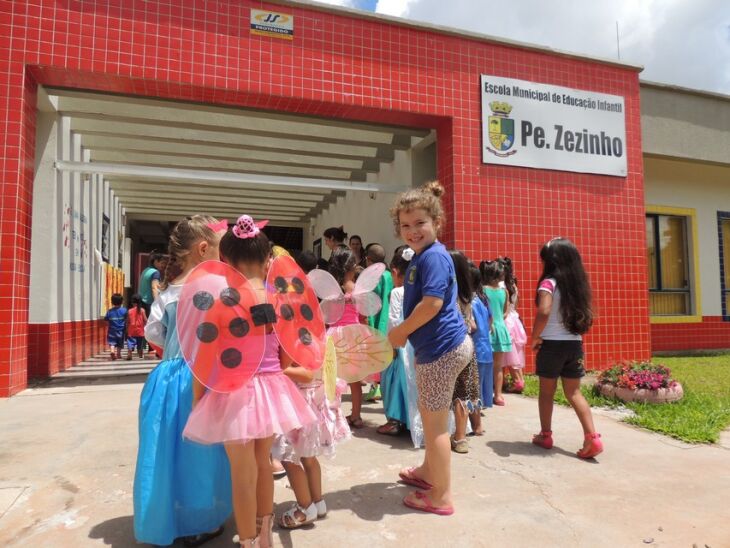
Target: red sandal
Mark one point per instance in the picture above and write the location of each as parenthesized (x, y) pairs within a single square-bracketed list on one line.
[(426, 505), (595, 448), (544, 439), (406, 476)]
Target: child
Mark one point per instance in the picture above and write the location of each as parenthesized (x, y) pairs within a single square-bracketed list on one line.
[(116, 317), (180, 489), (343, 268), (375, 253), (247, 419), (492, 274), (563, 315), (393, 379), (299, 449), (434, 327), (136, 320), (481, 337), (514, 361), (466, 400)]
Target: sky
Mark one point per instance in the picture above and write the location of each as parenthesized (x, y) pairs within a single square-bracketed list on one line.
[(679, 42)]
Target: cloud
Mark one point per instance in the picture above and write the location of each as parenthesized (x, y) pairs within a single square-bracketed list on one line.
[(677, 41)]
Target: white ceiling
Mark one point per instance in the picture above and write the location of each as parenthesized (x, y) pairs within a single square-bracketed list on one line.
[(167, 159)]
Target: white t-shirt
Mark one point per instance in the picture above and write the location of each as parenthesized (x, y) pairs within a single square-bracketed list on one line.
[(395, 308), (555, 329)]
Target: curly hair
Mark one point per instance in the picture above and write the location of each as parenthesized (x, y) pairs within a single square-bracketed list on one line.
[(426, 197)]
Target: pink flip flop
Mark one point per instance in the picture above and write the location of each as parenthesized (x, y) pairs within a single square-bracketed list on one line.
[(427, 506), (408, 478)]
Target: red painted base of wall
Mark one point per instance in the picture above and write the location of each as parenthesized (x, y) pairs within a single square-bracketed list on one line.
[(58, 346), (713, 332)]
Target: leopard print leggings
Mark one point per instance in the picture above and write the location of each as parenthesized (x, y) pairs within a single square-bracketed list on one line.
[(435, 380)]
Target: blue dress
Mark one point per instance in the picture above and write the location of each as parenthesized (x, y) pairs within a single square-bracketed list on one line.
[(180, 488), (393, 381)]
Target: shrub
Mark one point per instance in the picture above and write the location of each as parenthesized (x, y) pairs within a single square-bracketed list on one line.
[(636, 375)]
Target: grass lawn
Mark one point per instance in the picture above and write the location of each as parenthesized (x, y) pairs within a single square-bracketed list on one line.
[(699, 417)]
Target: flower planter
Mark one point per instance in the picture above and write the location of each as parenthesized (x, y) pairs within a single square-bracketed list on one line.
[(642, 395)]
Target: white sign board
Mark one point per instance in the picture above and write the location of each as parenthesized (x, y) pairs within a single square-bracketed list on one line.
[(552, 127)]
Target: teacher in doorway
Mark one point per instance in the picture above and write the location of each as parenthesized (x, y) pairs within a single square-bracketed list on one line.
[(149, 280)]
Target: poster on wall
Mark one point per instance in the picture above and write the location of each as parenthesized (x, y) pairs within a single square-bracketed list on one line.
[(105, 236), (317, 247), (272, 23), (552, 127)]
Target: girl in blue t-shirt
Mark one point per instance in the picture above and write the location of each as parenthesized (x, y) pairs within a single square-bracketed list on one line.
[(434, 327), (481, 337)]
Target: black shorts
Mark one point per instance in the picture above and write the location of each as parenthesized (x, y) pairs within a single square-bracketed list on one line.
[(560, 359)]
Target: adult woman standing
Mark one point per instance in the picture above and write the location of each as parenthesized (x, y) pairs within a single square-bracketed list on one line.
[(357, 250), (335, 237)]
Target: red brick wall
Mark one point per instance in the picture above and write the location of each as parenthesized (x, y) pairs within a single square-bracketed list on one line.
[(339, 67), (713, 332), (56, 347)]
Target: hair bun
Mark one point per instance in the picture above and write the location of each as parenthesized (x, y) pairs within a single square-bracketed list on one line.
[(435, 188)]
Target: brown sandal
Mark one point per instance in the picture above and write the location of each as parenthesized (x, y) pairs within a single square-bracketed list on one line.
[(391, 428), (355, 423)]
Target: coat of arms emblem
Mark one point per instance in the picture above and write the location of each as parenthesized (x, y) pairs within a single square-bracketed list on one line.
[(501, 129)]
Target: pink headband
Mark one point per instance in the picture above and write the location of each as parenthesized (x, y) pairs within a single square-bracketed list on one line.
[(220, 225), (245, 227)]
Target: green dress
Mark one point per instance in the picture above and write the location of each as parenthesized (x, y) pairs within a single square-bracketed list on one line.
[(380, 319), (501, 341)]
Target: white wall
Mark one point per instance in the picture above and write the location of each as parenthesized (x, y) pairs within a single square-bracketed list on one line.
[(67, 219), (706, 188), (363, 213)]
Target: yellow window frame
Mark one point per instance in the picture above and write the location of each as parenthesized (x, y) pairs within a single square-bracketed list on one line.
[(696, 296)]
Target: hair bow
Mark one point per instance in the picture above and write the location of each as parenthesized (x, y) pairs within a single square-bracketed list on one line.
[(246, 227), (220, 225)]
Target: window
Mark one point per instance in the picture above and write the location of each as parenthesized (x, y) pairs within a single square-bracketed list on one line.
[(667, 255), (723, 228)]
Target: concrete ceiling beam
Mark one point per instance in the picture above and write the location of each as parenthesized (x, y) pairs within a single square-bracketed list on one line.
[(223, 176)]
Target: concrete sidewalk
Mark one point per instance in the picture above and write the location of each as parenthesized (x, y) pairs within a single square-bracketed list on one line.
[(68, 453)]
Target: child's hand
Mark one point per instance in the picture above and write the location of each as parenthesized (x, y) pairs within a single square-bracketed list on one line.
[(397, 337), (536, 343)]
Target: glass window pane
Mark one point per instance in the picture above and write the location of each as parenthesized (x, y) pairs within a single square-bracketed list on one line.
[(673, 253), (668, 304), (651, 252)]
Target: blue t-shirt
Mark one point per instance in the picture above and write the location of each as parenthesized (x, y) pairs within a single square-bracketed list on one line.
[(145, 284), (482, 341), (431, 274), (117, 318)]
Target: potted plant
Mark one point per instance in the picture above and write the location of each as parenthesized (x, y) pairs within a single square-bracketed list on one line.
[(643, 381)]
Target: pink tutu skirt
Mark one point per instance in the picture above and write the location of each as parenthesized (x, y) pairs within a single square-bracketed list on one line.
[(321, 438), (515, 358), (269, 404)]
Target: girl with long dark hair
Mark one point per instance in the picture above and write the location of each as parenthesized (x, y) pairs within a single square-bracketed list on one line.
[(563, 316)]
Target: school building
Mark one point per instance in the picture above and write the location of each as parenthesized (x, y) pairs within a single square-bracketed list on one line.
[(120, 117)]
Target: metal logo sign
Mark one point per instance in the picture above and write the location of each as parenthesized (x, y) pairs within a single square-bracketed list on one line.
[(271, 23)]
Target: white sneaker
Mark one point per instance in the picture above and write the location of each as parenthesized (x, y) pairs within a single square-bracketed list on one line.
[(321, 509)]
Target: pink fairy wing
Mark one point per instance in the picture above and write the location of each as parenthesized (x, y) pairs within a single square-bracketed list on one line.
[(361, 351), (299, 323), (329, 291), (218, 338), (367, 302)]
